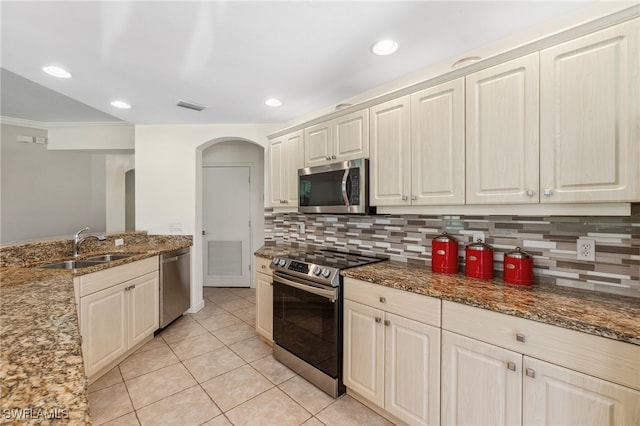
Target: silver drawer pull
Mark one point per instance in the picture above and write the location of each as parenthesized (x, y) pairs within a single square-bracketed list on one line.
[(520, 337), (383, 299), (387, 323), (378, 319), (530, 372), (511, 366)]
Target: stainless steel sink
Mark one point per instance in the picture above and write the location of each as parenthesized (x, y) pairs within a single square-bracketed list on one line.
[(72, 264), (110, 257)]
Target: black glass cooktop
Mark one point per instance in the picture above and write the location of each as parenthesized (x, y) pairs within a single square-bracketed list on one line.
[(333, 259)]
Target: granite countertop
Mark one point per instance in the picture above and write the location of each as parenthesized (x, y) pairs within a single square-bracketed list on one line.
[(605, 315), (41, 365)]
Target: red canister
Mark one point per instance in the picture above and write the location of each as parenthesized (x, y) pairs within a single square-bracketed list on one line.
[(518, 267), (444, 254), (479, 260)]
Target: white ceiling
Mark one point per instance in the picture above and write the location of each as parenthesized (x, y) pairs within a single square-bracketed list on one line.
[(232, 55)]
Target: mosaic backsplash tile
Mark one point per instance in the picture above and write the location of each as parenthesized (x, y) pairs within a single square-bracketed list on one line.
[(551, 240)]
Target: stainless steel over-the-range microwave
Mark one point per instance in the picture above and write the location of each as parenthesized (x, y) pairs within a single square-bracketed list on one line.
[(335, 188)]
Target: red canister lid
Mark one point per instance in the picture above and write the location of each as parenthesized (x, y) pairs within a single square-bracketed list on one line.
[(479, 245), (518, 254), (444, 237)]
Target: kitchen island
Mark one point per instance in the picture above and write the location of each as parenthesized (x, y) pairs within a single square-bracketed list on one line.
[(41, 367)]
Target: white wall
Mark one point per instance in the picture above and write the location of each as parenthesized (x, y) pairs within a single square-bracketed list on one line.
[(47, 193), (168, 167), (89, 136), (116, 167)]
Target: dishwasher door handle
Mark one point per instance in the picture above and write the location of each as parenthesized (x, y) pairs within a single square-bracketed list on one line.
[(173, 259)]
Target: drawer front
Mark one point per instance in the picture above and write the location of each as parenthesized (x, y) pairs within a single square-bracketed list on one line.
[(262, 265), (106, 278), (406, 304), (608, 359)]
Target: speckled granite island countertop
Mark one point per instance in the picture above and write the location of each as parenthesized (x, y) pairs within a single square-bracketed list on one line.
[(42, 379), (606, 315)]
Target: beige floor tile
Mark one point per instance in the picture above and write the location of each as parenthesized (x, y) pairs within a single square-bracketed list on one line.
[(235, 387), (245, 314), (126, 420), (220, 298), (272, 369), (221, 420), (154, 343), (189, 407), (215, 290), (218, 321), (208, 310), (251, 299), (181, 329), (154, 386), (312, 422), (251, 349), (235, 304), (235, 333), (112, 377), (241, 291), (194, 346), (347, 411), (212, 364), (273, 407), (109, 403), (306, 394), (145, 362)]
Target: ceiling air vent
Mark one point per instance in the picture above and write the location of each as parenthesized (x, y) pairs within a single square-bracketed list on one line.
[(191, 105)]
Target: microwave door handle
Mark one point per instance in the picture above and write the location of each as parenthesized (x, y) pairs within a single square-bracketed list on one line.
[(345, 197)]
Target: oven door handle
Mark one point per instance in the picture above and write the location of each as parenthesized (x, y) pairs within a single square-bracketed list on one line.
[(345, 196), (328, 294)]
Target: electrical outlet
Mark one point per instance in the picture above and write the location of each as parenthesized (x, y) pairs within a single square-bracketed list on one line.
[(478, 236), (119, 242), (586, 249)]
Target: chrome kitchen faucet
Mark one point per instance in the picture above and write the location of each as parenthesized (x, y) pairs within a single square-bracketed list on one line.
[(77, 240)]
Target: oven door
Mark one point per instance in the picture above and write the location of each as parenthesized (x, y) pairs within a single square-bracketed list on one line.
[(307, 322)]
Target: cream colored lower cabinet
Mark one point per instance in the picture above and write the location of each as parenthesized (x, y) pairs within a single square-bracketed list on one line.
[(390, 360), (118, 311), (264, 298), (483, 383)]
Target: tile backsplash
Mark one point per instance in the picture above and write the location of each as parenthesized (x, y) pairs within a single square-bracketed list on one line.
[(551, 240)]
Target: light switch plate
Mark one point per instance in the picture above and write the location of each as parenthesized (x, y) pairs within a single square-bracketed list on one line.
[(119, 242)]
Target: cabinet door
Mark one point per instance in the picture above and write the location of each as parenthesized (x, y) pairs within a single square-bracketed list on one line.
[(294, 148), (589, 117), (104, 327), (390, 167), (363, 368), (277, 169), (351, 134), (437, 144), (412, 370), (481, 383), (502, 138), (264, 305), (144, 318), (317, 144), (558, 396)]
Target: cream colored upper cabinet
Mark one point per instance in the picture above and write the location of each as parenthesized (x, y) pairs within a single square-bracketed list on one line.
[(390, 166), (558, 396), (589, 94), (437, 145), (341, 139), (502, 141), (285, 159)]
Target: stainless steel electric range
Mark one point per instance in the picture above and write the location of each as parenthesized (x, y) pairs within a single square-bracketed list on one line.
[(307, 314)]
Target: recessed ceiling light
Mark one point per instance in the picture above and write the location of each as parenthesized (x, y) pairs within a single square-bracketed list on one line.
[(56, 71), (273, 102), (384, 47), (120, 104)]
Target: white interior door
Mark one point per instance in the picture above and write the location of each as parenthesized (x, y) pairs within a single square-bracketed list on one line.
[(227, 226)]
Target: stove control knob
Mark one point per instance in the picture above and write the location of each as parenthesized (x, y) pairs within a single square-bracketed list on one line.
[(281, 262), (317, 270), (274, 261), (326, 273)]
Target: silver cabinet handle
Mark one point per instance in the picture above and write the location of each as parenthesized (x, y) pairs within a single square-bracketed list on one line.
[(413, 197), (378, 319), (530, 372), (511, 366), (383, 299), (531, 193), (520, 337), (333, 157), (387, 323), (548, 192), (328, 157), (405, 198), (263, 267)]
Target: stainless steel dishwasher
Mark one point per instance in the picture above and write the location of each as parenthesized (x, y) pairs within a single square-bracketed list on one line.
[(175, 285)]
